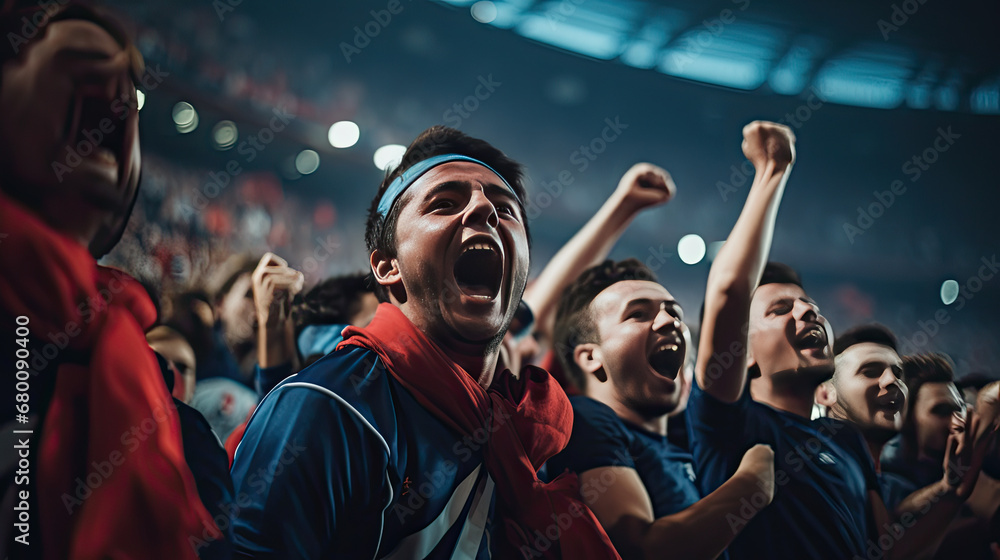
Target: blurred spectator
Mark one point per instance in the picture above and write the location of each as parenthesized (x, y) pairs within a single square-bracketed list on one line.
[(327, 308), (204, 455), (318, 319), (236, 320), (180, 359), (918, 452), (935, 409), (96, 407), (224, 403), (191, 315)]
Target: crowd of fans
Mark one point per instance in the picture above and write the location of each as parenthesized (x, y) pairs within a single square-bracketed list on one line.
[(177, 236), (227, 397)]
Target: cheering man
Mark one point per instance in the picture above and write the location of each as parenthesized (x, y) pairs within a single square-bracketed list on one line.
[(401, 444), (101, 472), (622, 338)]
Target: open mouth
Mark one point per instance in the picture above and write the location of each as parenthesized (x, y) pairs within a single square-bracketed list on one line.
[(479, 270), (891, 404), (813, 337), (667, 359), (93, 130)]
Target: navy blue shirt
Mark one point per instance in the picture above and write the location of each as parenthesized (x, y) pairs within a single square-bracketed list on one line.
[(920, 472), (340, 461), (601, 439), (265, 379), (895, 489), (823, 473), (209, 464)]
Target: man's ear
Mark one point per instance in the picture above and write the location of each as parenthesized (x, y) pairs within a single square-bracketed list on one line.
[(751, 361), (826, 394), (753, 370), (588, 358), (385, 269)]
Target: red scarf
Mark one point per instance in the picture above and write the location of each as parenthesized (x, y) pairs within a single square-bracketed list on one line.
[(130, 493), (528, 420)]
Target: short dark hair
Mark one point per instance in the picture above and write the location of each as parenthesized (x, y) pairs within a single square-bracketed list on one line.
[(184, 319), (574, 322), (919, 369), (930, 367), (12, 13), (332, 302), (380, 233), (774, 273), (779, 273), (872, 332)]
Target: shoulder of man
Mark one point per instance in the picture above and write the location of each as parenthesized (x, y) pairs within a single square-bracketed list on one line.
[(592, 415), (317, 435), (353, 377), (599, 439)]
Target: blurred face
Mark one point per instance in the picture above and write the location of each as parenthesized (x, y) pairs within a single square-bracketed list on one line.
[(869, 391), (239, 316), (787, 335), (69, 129), (932, 411), (461, 254), (178, 352), (643, 345)]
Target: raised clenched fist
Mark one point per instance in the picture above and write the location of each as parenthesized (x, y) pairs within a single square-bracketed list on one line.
[(645, 185), (758, 465), (274, 285), (767, 142)]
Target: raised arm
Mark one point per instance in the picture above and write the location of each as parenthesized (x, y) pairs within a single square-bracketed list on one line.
[(644, 185), (274, 285), (737, 268), (702, 530)]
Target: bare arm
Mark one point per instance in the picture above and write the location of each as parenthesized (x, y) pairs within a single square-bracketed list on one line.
[(626, 513), (737, 268), (644, 185)]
